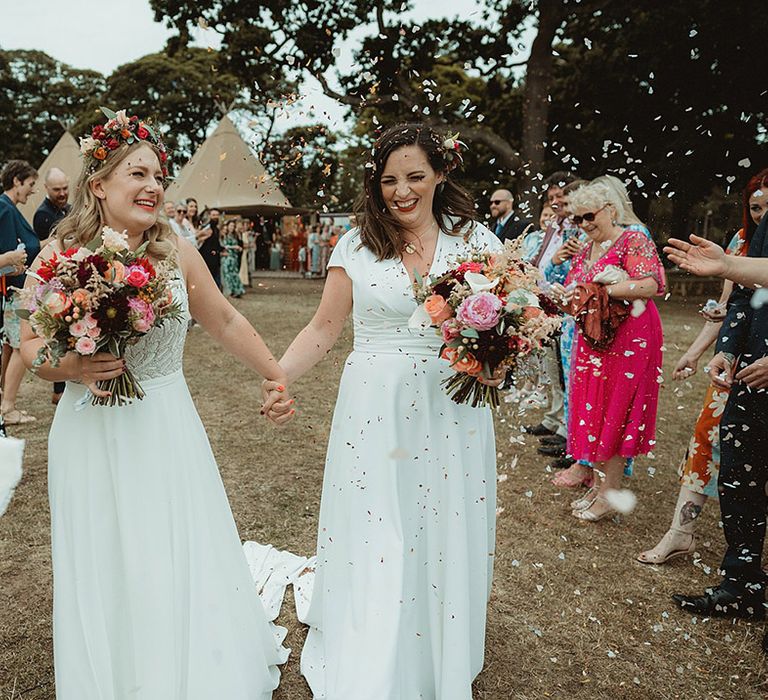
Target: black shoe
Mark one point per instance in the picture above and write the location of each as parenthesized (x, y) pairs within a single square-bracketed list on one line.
[(552, 450), (717, 602), (562, 463), (550, 440), (538, 430)]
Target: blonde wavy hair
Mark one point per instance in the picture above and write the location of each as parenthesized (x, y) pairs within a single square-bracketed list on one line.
[(86, 220)]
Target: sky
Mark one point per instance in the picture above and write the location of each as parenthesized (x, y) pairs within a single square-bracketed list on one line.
[(98, 35)]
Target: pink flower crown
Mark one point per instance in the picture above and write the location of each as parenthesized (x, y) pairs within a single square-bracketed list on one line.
[(119, 129)]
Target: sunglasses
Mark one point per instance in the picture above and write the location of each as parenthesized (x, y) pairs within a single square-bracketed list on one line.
[(181, 211), (589, 217), (498, 201)]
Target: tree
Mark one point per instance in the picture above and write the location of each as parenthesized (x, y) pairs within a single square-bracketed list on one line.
[(46, 96)]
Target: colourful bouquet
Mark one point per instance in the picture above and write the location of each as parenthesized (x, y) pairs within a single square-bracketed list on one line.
[(102, 297), (490, 313)]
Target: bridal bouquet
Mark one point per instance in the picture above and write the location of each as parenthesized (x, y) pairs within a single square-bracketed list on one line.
[(490, 314), (102, 297)]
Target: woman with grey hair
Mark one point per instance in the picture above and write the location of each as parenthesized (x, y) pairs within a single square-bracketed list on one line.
[(614, 379)]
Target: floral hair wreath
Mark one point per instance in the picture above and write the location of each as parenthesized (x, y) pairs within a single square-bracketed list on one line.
[(119, 129), (452, 148)]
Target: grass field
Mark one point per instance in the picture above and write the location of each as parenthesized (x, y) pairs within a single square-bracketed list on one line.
[(572, 615)]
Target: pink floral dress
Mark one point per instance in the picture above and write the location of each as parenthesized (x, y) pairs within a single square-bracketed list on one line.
[(614, 392)]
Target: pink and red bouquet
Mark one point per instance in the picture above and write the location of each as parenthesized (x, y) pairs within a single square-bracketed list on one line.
[(490, 313), (100, 298)]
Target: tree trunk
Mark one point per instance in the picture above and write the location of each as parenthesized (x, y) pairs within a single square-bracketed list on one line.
[(536, 99)]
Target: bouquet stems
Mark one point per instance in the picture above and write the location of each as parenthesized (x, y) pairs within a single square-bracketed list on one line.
[(463, 388), (123, 390)]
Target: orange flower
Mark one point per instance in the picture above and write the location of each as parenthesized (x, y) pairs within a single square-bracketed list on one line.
[(80, 297), (438, 308), (468, 364), (100, 153), (115, 272), (125, 133), (530, 312)]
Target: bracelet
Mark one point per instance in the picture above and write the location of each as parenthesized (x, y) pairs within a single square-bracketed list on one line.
[(729, 356)]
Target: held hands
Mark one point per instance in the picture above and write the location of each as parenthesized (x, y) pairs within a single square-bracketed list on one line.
[(277, 404), (97, 368), (703, 258)]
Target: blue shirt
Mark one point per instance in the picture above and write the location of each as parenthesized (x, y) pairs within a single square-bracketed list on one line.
[(14, 229)]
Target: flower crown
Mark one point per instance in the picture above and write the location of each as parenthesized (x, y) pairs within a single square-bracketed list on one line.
[(452, 148), (119, 129)]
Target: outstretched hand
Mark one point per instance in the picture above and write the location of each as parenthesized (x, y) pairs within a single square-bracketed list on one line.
[(277, 404), (699, 257)]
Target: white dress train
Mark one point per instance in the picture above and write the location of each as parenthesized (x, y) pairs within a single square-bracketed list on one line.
[(153, 599), (407, 521)]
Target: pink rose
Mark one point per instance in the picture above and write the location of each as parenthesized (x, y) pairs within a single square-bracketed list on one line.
[(438, 309), (90, 320), (94, 332), (481, 311), (136, 276), (78, 329), (450, 330), (56, 302), (85, 346), (141, 325)]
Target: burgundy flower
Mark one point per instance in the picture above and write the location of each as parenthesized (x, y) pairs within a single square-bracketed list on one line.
[(112, 314), (86, 267), (112, 144)]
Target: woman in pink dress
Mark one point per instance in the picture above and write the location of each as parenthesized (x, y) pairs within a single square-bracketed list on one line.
[(614, 389)]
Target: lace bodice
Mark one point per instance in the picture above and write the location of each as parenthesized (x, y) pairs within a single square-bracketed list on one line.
[(161, 351)]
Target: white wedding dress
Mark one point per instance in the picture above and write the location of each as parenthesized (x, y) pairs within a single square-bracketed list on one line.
[(153, 599), (406, 533)]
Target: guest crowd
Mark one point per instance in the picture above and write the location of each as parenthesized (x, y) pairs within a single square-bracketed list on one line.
[(598, 384)]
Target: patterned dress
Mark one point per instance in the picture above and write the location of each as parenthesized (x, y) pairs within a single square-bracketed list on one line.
[(701, 465), (230, 267), (614, 392)]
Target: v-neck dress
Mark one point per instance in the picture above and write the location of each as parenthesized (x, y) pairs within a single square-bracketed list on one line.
[(407, 523)]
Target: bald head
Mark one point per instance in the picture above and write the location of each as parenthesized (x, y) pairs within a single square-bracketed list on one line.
[(501, 203), (57, 187)]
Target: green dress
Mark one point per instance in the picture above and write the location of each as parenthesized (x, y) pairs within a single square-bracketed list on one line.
[(230, 267)]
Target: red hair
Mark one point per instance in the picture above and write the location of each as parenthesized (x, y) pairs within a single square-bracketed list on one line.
[(756, 182)]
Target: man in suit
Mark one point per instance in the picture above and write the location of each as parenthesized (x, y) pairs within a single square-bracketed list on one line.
[(508, 225), (741, 365), (53, 209)]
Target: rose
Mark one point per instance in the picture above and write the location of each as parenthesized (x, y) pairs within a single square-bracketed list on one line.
[(94, 332), (56, 302), (143, 315), (163, 156), (438, 309), (85, 345), (450, 330), (90, 321), (481, 311), (136, 276), (468, 364), (97, 132), (115, 272), (78, 329), (142, 132), (112, 144), (100, 153), (125, 133)]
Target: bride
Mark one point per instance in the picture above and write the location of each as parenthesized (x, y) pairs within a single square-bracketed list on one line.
[(152, 593), (406, 533)]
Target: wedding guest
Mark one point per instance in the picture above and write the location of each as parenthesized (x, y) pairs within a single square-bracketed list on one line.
[(170, 209), (533, 238), (230, 270), (18, 182), (313, 243), (558, 228), (276, 255), (406, 532), (700, 467), (614, 386), (508, 225), (210, 245), (741, 366), (180, 226), (325, 249), (53, 209), (193, 216), (153, 597)]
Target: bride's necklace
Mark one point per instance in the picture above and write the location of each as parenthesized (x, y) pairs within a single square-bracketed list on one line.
[(410, 247)]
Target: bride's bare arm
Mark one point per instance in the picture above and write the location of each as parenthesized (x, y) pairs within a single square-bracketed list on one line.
[(317, 338), (221, 320)]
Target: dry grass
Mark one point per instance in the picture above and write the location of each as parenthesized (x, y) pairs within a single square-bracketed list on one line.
[(572, 614)]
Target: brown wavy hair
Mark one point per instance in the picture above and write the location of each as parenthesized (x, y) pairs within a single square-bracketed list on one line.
[(756, 182), (86, 219), (452, 206)]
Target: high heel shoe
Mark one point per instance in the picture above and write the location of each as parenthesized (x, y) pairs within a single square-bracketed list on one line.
[(586, 500), (565, 479), (652, 557), (588, 515)]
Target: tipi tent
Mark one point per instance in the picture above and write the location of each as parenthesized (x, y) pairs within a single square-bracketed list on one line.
[(224, 173), (64, 155)]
